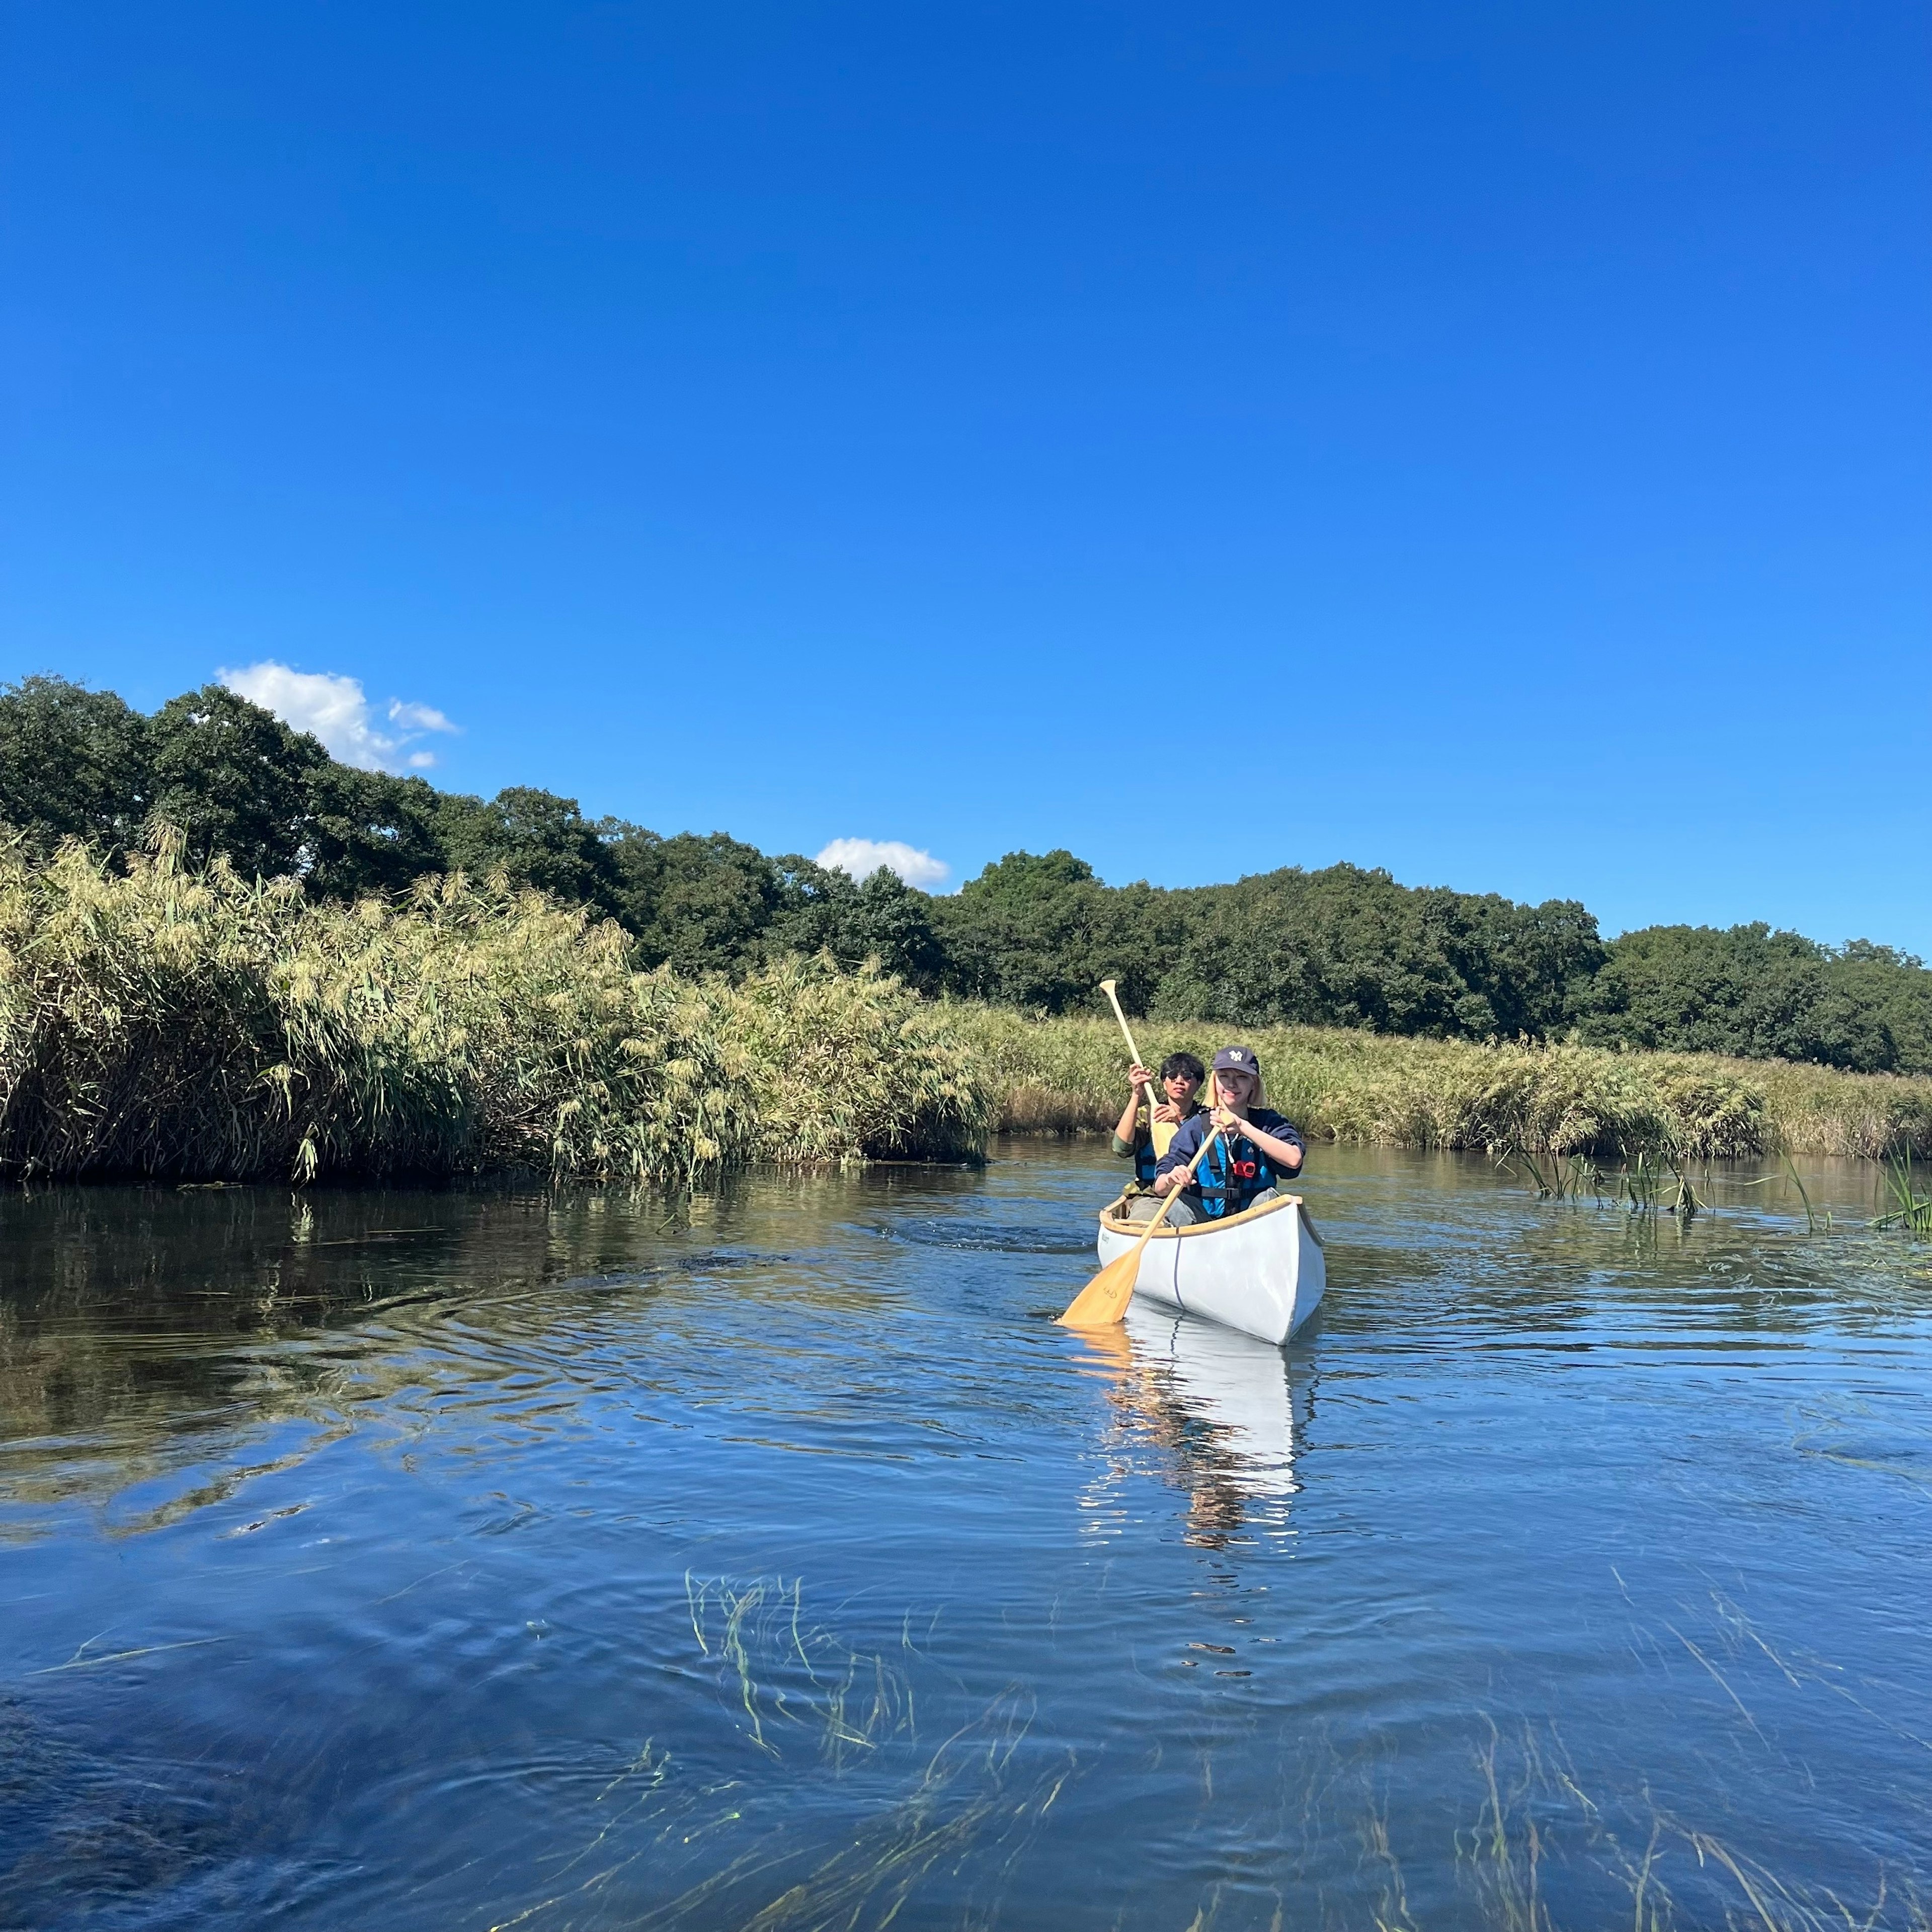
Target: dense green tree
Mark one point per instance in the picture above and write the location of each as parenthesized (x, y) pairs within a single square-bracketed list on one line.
[(697, 904), (74, 764), (81, 763), (814, 911), (1344, 946), (1895, 988), (533, 838), (892, 924), (1763, 995), (878, 918), (236, 780), (1536, 960), (369, 832), (1039, 930)]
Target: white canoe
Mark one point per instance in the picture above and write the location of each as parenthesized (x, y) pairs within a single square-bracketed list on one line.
[(1261, 1272)]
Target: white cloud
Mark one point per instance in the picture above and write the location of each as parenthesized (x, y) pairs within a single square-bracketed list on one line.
[(418, 717), (336, 711), (862, 857)]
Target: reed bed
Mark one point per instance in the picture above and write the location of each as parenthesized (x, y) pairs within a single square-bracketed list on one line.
[(181, 1024), (1068, 1076), (166, 1022)]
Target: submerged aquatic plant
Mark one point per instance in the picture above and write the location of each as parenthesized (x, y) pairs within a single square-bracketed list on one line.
[(1534, 1818), (1684, 1203), (1566, 1177), (1804, 1195), (1644, 1181), (779, 1672)]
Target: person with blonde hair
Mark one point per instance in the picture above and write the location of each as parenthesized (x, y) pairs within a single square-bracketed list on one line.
[(1258, 1147)]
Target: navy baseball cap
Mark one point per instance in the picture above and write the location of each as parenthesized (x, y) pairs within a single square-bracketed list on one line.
[(1237, 1059)]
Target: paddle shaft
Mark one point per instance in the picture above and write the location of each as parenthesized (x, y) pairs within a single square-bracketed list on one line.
[(1174, 1193), (1133, 1052), (1114, 1000)]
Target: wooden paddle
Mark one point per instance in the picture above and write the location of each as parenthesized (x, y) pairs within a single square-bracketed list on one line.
[(1109, 987), (1104, 1300)]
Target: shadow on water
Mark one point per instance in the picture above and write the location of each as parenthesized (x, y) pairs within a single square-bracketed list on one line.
[(770, 1561)]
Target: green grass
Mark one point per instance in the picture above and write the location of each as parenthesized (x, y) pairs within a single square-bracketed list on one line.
[(1911, 1211), (1069, 1075)]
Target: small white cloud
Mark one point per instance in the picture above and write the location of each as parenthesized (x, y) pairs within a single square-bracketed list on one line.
[(862, 857), (418, 717), (335, 710)]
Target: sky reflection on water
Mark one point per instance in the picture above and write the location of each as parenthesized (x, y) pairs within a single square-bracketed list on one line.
[(447, 1561)]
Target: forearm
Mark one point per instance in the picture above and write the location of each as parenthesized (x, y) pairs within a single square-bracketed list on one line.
[(1176, 1169), (1285, 1152), (1124, 1128)]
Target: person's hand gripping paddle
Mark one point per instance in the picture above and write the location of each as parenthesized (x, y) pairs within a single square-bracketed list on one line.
[(1104, 1300)]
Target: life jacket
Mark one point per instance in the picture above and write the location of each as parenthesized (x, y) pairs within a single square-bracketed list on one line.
[(1228, 1181), (1147, 1153)]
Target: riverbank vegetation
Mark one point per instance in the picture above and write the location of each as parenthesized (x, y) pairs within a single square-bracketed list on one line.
[(1068, 1074), (1339, 948), (163, 1019), (171, 1021)]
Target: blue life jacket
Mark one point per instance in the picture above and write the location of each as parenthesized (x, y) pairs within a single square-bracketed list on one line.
[(1145, 1160), (1229, 1179)]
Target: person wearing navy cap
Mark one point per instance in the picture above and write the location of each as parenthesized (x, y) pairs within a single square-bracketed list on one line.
[(1258, 1147)]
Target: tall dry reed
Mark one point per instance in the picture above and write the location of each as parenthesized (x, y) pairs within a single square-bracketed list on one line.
[(186, 1024), (1069, 1075)]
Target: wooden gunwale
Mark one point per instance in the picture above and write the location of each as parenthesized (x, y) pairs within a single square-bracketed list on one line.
[(1260, 1211)]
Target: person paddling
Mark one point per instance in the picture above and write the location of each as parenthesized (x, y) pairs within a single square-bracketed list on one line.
[(1258, 1147), (1144, 1142)]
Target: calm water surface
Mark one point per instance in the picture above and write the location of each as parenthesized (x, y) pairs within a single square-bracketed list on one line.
[(449, 1561)]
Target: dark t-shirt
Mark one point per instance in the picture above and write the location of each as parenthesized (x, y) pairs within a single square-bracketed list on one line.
[(1189, 1135)]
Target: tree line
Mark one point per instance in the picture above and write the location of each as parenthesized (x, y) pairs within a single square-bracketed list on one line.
[(1339, 947)]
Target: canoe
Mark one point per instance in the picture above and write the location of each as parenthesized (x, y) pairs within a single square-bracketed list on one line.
[(1260, 1272)]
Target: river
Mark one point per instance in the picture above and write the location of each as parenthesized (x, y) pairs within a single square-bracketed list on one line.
[(486, 1560)]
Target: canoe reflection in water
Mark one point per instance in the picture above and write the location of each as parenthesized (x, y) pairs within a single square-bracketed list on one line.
[(1220, 1409)]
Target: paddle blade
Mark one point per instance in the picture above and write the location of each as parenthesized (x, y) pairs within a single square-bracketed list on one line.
[(1104, 1300)]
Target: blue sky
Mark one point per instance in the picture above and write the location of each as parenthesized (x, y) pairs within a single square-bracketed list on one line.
[(1493, 443)]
